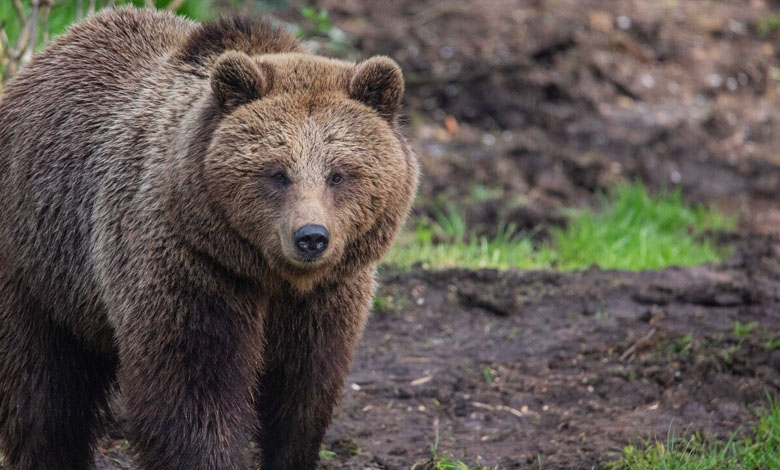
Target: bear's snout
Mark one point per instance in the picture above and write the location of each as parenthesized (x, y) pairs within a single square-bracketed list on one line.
[(311, 240)]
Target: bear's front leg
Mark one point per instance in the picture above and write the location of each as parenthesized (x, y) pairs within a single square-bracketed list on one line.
[(310, 339), (188, 362)]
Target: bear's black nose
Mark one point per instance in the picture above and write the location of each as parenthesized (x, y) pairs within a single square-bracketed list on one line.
[(311, 240)]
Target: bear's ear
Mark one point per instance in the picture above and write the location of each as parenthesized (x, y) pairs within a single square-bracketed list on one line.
[(379, 83), (236, 80)]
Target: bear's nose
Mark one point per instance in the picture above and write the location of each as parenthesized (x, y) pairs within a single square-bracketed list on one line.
[(311, 239)]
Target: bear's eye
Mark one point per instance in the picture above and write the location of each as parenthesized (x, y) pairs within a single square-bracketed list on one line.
[(281, 178), (336, 179)]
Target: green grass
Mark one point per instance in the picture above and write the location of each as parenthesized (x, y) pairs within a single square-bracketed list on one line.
[(64, 14), (768, 24), (448, 462), (635, 231), (629, 230), (327, 454), (759, 450), (506, 250), (454, 463)]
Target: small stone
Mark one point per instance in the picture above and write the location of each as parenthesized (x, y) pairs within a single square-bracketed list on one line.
[(715, 80)]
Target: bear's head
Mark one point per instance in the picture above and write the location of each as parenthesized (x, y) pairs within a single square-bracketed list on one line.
[(307, 162)]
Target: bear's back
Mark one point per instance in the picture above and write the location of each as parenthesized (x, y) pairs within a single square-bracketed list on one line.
[(92, 68), (59, 119)]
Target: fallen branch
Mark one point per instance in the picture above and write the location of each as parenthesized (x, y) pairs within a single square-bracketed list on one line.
[(513, 411), (642, 343)]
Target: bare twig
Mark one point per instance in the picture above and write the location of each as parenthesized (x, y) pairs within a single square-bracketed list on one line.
[(13, 56), (91, 8), (149, 3), (421, 380), (32, 41), (513, 411), (5, 47), (45, 11), (175, 5), (79, 9), (19, 11), (640, 344)]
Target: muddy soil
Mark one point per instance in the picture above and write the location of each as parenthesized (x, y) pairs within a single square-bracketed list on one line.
[(545, 103), (516, 368)]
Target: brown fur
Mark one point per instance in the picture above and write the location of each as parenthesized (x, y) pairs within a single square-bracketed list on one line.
[(146, 239)]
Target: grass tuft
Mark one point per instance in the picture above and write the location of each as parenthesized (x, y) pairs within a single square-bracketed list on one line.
[(327, 454), (758, 451), (630, 230), (768, 24), (633, 230), (447, 243), (449, 462)]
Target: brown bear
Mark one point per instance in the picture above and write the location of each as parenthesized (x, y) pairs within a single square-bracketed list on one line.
[(191, 214)]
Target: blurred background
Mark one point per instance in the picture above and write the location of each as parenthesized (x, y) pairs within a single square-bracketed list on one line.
[(558, 140), (522, 110)]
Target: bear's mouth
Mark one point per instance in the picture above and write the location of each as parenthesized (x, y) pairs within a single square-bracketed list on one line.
[(306, 262), (309, 261)]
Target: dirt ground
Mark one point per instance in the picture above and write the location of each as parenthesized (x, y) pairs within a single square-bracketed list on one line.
[(521, 108), (560, 368)]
